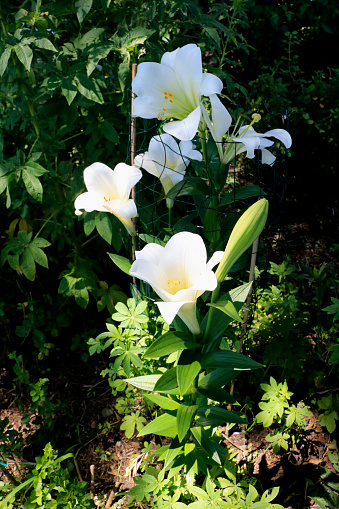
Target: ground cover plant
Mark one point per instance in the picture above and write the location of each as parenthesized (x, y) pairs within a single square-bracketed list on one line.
[(170, 349)]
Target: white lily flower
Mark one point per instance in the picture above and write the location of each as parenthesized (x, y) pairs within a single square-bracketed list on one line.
[(179, 273), (173, 89), (109, 190), (167, 160), (219, 124), (250, 140)]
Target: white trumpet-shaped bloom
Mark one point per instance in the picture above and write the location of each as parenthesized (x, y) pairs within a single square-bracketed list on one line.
[(250, 140), (173, 90), (167, 160), (178, 273), (109, 190)]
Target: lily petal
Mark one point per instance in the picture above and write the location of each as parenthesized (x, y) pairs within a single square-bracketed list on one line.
[(211, 84), (184, 129), (179, 274), (281, 135), (267, 157), (109, 190), (88, 201)]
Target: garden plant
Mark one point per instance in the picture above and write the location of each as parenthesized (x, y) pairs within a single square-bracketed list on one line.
[(119, 152)]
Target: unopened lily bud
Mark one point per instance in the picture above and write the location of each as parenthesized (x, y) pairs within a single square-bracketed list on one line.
[(256, 117), (246, 230)]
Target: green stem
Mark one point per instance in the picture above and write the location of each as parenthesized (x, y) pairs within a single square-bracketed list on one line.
[(170, 217), (214, 298), (43, 226)]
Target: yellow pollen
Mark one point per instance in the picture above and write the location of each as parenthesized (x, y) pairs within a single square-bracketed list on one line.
[(170, 100), (106, 199), (165, 93), (171, 95), (167, 98), (173, 285), (164, 109)]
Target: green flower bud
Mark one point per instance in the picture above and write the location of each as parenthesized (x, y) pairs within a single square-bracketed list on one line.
[(246, 230)]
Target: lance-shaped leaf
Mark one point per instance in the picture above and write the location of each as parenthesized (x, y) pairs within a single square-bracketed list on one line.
[(230, 360), (164, 402), (216, 416), (167, 382), (164, 425), (24, 54), (215, 393), (213, 450), (146, 382), (120, 261), (185, 415), (168, 343), (4, 60), (190, 186), (241, 193), (186, 374)]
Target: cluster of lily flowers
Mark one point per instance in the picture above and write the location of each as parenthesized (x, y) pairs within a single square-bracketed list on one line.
[(175, 90)]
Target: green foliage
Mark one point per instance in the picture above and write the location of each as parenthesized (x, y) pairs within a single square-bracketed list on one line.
[(131, 422), (22, 253), (48, 486), (275, 406), (329, 417)]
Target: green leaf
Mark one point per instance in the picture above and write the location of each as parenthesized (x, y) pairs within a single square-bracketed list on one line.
[(120, 261), (185, 415), (241, 193), (132, 421), (89, 223), (198, 492), (186, 374), (24, 54), (211, 225), (124, 75), (32, 184), (4, 60), (146, 382), (240, 293), (215, 393), (95, 54), (137, 35), (168, 343), (69, 89), (104, 226), (38, 255), (189, 186), (34, 168), (44, 43), (167, 382), (109, 132), (228, 308), (164, 425), (27, 264), (88, 88), (213, 450), (216, 416), (151, 239), (87, 40), (40, 242), (227, 359), (82, 8), (164, 402)]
